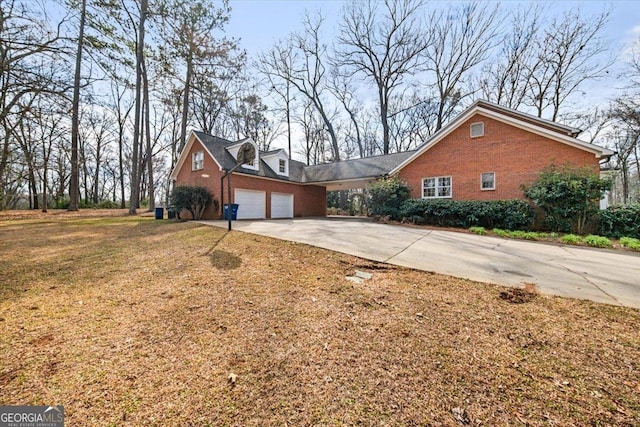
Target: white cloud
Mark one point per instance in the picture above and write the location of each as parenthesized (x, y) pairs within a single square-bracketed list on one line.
[(635, 30)]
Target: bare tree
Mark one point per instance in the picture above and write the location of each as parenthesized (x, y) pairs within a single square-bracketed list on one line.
[(282, 88), (568, 54), (461, 39), (505, 80), (26, 42), (306, 71), (385, 48), (342, 89)]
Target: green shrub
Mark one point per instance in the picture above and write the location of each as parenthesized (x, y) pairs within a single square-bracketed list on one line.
[(630, 242), (478, 230), (597, 241), (571, 239), (618, 221), (568, 196), (508, 214), (386, 195), (193, 199)]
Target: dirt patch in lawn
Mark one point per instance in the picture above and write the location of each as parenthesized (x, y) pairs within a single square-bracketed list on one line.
[(133, 321)]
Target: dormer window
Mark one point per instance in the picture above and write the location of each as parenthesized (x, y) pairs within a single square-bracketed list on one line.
[(197, 161), (282, 166), (477, 129)]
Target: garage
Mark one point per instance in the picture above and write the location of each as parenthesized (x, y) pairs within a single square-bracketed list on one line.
[(251, 204), (281, 205)]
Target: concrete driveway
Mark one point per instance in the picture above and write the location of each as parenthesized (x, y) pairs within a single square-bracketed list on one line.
[(598, 275)]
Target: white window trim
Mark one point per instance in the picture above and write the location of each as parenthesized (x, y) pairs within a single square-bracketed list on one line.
[(437, 178), (282, 164), (193, 160), (471, 130), (494, 182)]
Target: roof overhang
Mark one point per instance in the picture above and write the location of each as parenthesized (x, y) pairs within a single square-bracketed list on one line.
[(346, 184)]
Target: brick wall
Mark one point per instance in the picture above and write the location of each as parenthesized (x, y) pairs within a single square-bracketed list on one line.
[(308, 200), (514, 155)]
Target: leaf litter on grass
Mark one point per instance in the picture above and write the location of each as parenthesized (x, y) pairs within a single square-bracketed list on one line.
[(150, 332)]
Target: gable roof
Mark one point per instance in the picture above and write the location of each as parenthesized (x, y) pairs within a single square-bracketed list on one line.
[(554, 131), (369, 167)]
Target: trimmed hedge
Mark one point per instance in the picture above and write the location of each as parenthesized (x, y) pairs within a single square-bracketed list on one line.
[(620, 221), (507, 214)]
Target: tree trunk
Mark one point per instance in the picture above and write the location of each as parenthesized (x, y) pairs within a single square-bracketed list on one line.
[(185, 101), (147, 120), (74, 183), (135, 177)]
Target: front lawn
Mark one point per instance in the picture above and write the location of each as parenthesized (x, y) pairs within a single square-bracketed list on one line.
[(133, 321)]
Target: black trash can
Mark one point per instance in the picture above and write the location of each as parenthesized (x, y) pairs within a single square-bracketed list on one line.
[(171, 212), (234, 211), (159, 212)]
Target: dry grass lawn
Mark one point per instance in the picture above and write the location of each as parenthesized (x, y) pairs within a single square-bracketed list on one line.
[(132, 321)]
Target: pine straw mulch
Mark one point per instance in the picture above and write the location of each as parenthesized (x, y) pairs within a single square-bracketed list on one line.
[(132, 321)]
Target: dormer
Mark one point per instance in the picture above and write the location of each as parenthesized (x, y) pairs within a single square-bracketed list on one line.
[(278, 161), (235, 147)]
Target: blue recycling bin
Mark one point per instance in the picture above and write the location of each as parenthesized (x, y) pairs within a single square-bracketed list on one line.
[(234, 211), (159, 212)]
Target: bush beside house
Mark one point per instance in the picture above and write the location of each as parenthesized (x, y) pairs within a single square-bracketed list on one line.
[(619, 221), (193, 199), (569, 197), (507, 214)]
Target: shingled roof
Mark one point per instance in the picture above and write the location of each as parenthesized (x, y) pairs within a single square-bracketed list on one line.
[(369, 167)]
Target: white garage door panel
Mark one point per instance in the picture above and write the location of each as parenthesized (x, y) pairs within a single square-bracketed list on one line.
[(251, 204), (281, 205)]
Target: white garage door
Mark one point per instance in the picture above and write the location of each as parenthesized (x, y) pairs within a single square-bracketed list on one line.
[(251, 204), (281, 205)]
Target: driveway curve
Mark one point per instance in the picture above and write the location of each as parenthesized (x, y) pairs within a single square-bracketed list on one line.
[(599, 275)]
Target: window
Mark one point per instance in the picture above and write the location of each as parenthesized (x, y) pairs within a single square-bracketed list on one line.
[(438, 187), (488, 181), (477, 129), (282, 166), (197, 161)]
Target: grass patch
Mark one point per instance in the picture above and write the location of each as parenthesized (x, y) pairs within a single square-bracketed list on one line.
[(130, 319), (631, 243), (478, 230), (571, 239), (597, 241)]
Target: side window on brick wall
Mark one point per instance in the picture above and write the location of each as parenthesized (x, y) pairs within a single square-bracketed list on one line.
[(437, 187), (488, 181)]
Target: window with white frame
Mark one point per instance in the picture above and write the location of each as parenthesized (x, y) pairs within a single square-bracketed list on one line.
[(437, 187), (488, 181), (477, 129), (197, 160), (282, 166)]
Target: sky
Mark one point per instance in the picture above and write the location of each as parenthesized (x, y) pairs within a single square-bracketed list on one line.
[(260, 23)]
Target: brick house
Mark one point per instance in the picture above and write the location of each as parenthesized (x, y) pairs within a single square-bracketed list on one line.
[(486, 153)]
